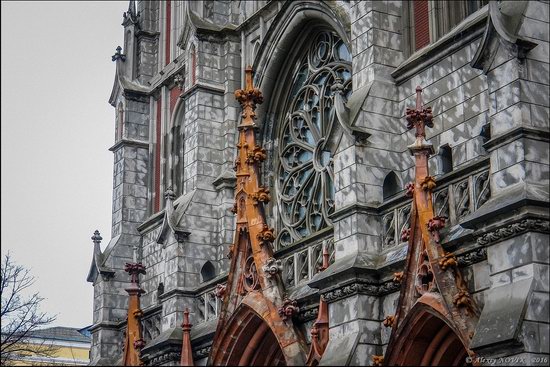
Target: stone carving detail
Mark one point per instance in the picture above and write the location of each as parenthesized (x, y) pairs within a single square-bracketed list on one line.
[(377, 360), (203, 352), (288, 309), (435, 225), (513, 229), (441, 203), (256, 155), (305, 186), (262, 195), (208, 304), (428, 184), (362, 288), (462, 199), (250, 275), (266, 236), (424, 277), (272, 268), (389, 321), (404, 218), (448, 261), (220, 290), (482, 189), (166, 357), (409, 189), (288, 271), (405, 234), (305, 315), (388, 221), (398, 277), (472, 257), (151, 327)]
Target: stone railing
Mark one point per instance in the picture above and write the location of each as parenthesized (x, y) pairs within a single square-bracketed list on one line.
[(208, 305), (302, 265), (454, 200)]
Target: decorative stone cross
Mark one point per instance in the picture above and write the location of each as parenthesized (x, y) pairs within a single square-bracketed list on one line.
[(419, 117), (118, 55)]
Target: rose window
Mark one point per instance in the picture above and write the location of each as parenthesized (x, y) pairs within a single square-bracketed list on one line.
[(305, 186)]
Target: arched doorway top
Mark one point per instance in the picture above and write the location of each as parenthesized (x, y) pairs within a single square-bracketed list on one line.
[(256, 335), (425, 337)]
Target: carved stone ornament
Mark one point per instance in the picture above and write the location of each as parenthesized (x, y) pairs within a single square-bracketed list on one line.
[(434, 225), (448, 261), (266, 236), (405, 234), (258, 154), (262, 195), (377, 360), (397, 277), (220, 290), (250, 275), (410, 189), (428, 184), (463, 299), (538, 225), (288, 309), (272, 268), (389, 321)]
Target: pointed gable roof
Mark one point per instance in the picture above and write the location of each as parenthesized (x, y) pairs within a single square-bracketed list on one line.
[(254, 283), (431, 277)]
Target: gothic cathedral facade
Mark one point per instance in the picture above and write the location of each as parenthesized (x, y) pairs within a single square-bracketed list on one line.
[(377, 193)]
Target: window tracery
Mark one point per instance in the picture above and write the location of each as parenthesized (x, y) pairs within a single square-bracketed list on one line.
[(305, 187)]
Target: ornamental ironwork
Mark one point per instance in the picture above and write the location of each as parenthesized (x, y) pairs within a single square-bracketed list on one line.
[(305, 188)]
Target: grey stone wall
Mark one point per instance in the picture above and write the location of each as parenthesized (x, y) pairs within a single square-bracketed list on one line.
[(493, 117)]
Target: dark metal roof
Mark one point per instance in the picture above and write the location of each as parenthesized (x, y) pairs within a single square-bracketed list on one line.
[(64, 333)]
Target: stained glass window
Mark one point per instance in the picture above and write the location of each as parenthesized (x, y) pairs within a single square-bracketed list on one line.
[(305, 185)]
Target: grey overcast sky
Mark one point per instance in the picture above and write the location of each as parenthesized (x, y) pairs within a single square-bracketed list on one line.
[(56, 128)]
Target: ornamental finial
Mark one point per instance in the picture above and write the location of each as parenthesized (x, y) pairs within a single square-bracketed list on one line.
[(248, 97), (419, 117), (96, 238)]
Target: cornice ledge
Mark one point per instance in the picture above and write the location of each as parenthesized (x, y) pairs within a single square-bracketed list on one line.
[(129, 142), (505, 202), (207, 87), (517, 133)]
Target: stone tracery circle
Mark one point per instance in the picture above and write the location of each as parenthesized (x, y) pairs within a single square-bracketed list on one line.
[(305, 187)]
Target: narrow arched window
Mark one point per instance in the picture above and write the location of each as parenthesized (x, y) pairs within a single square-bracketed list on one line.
[(445, 156), (391, 185), (193, 68), (119, 128), (208, 272)]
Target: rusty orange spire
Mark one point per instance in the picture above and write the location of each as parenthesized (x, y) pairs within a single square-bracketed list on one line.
[(431, 278), (134, 341), (254, 278), (186, 351), (320, 328)]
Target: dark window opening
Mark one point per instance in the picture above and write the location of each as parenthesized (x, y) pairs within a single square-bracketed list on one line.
[(208, 271), (445, 159), (391, 185)]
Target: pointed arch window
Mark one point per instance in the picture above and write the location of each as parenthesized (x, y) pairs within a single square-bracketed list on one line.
[(208, 271), (119, 128), (305, 185), (391, 185)]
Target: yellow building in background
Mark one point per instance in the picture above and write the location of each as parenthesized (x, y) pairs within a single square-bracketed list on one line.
[(72, 347)]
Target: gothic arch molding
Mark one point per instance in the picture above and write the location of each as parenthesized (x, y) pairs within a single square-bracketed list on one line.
[(255, 335), (426, 337), (175, 148), (280, 45)]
